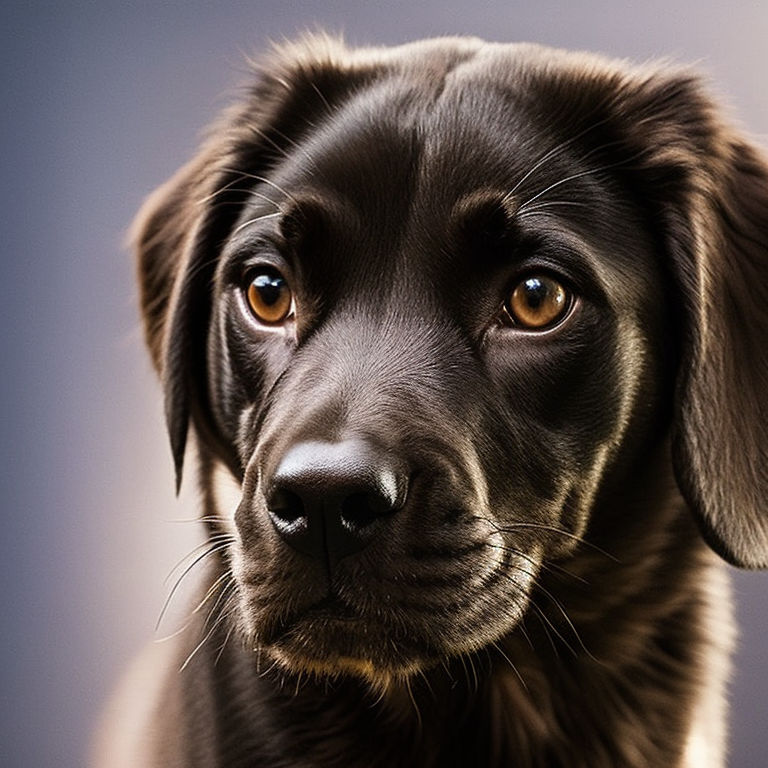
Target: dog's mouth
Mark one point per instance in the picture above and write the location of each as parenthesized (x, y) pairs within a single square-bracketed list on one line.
[(326, 612), (363, 633), (331, 638)]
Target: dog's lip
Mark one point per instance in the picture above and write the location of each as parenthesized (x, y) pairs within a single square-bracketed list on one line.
[(330, 609)]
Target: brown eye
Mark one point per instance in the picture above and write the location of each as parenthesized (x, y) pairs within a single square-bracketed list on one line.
[(537, 302), (269, 297)]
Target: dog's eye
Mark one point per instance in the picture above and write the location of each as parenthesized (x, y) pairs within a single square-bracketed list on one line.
[(537, 302), (269, 297)]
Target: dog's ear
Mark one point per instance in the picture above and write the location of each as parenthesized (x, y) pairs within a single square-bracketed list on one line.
[(176, 235), (708, 190), (181, 228)]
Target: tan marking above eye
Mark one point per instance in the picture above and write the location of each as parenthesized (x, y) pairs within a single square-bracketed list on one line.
[(537, 302), (269, 297)]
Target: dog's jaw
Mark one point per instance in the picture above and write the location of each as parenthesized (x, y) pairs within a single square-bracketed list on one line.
[(512, 675), (514, 691)]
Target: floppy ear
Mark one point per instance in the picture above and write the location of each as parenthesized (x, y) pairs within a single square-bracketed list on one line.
[(174, 235), (180, 230), (709, 189)]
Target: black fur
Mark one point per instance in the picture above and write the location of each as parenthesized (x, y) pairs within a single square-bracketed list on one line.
[(535, 594)]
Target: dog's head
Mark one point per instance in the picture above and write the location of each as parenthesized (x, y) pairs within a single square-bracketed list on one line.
[(435, 308)]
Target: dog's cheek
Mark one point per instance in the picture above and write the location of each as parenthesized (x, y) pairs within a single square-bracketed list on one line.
[(565, 403), (241, 370)]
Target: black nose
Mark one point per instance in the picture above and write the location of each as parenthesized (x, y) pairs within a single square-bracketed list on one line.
[(329, 499)]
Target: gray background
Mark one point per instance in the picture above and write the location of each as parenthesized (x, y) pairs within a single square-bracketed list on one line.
[(101, 101)]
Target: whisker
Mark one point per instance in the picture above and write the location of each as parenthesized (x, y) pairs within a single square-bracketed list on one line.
[(422, 674), (561, 609), (556, 150), (264, 197), (322, 98), (509, 527), (226, 575), (447, 670), (215, 548), (524, 633), (241, 190), (557, 204), (264, 137), (544, 625), (498, 647), (227, 187), (266, 672), (269, 182), (464, 667), (530, 598), (189, 658), (542, 613), (297, 689), (188, 621), (573, 177), (554, 568), (283, 136), (257, 219), (212, 540), (540, 214), (476, 679), (415, 705), (228, 587), (223, 645)]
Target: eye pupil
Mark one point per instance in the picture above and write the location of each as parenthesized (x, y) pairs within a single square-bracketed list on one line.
[(270, 288), (269, 297), (537, 302), (536, 292)]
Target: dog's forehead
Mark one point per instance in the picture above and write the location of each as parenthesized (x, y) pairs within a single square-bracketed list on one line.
[(412, 140), (395, 166), (414, 145)]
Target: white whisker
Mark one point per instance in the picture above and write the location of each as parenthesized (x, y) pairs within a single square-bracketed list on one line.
[(573, 177), (550, 154), (202, 545), (215, 548), (269, 182), (257, 219), (210, 632)]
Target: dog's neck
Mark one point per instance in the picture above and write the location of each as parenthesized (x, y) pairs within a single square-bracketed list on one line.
[(623, 643)]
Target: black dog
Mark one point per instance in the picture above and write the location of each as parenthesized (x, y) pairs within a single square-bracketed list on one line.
[(460, 319)]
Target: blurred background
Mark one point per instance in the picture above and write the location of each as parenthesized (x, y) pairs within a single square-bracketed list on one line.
[(101, 101)]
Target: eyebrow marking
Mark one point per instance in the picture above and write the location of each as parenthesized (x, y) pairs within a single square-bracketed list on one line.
[(490, 211)]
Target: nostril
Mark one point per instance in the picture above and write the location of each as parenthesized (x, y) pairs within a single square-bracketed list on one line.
[(286, 506), (330, 499), (359, 510)]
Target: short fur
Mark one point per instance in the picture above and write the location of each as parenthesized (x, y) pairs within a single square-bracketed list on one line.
[(544, 596)]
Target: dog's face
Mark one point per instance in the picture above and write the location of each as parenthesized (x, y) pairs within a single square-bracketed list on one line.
[(434, 309)]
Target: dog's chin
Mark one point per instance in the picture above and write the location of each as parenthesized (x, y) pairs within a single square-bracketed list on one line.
[(325, 643), (378, 674)]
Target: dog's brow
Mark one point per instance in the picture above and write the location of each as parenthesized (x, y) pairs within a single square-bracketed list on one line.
[(306, 211), (482, 209)]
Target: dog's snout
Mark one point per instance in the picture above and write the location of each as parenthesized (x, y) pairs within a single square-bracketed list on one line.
[(329, 499)]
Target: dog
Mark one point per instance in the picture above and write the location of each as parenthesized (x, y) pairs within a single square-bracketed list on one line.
[(479, 333)]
